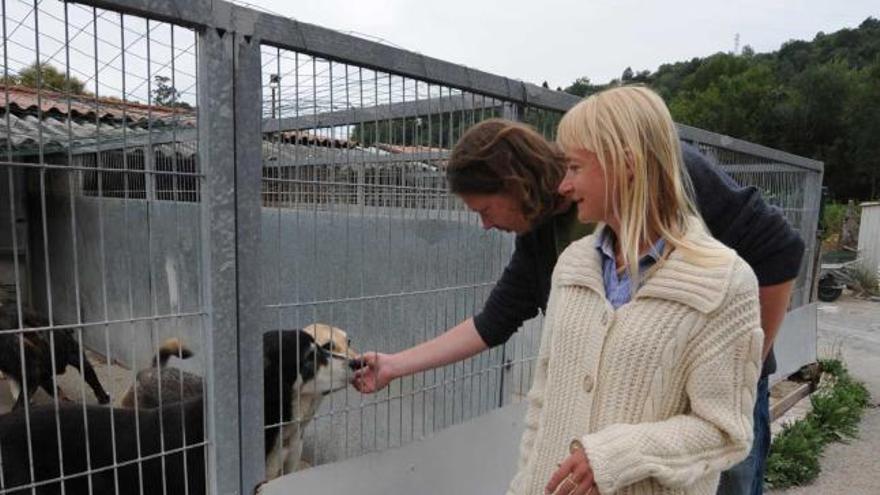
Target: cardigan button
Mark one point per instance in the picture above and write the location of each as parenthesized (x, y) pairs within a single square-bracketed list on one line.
[(604, 318), (588, 383)]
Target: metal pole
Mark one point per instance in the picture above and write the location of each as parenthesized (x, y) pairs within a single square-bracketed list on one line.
[(217, 159), (248, 177)]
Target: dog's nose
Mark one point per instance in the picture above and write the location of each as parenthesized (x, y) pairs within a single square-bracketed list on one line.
[(356, 364)]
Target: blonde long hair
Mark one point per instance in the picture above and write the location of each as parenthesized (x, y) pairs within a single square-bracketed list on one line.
[(629, 127)]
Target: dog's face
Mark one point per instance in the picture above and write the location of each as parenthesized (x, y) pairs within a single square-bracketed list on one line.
[(322, 370), (302, 366), (333, 339)]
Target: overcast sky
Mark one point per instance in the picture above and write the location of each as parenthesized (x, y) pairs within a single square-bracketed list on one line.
[(561, 40)]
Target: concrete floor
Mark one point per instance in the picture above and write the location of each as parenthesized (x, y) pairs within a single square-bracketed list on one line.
[(850, 328)]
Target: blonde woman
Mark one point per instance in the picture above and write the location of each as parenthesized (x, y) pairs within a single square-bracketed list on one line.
[(652, 346)]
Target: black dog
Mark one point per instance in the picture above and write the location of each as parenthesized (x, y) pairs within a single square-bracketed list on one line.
[(182, 431), (38, 346)]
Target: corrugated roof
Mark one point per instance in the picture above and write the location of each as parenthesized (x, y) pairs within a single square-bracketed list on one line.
[(86, 125), (56, 122), (22, 100)]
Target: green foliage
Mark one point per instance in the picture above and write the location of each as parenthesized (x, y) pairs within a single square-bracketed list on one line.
[(819, 99), (832, 219), (581, 87), (166, 95), (794, 458), (836, 411), (47, 77)]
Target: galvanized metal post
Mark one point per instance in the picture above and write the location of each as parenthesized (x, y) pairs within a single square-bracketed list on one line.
[(810, 221), (217, 160), (248, 173)]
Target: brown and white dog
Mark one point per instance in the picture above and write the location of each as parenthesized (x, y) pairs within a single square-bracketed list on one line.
[(151, 391), (315, 363)]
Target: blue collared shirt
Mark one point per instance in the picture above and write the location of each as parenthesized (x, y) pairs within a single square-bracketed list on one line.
[(618, 286)]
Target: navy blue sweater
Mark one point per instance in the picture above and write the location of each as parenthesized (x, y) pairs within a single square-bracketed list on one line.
[(736, 216)]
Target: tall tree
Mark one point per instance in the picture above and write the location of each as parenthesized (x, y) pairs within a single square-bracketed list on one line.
[(166, 95), (48, 77)]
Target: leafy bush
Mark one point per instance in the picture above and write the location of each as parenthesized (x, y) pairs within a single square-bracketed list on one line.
[(832, 219), (837, 410)]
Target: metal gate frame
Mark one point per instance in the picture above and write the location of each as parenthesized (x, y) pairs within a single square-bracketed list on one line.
[(230, 123)]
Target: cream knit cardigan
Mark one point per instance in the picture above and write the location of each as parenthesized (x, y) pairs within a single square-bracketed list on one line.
[(660, 391)]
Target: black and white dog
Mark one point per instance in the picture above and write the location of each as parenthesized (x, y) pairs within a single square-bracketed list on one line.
[(140, 437), (38, 353), (318, 372), (294, 364)]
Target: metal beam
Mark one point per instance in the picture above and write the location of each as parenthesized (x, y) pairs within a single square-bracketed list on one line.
[(353, 116), (689, 133), (364, 157), (314, 40)]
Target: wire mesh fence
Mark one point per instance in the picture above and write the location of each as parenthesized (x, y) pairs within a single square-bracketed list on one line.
[(101, 250), (272, 196)]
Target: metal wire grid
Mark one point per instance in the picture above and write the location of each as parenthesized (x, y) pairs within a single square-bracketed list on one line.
[(792, 189), (358, 229), (95, 267), (379, 246), (339, 194)]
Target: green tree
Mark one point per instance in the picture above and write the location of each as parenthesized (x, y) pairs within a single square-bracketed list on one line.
[(862, 119), (581, 87), (166, 95), (47, 77), (739, 105)]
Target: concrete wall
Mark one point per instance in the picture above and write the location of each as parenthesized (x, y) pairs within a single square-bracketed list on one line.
[(391, 278), (796, 342), (869, 237), (12, 176)]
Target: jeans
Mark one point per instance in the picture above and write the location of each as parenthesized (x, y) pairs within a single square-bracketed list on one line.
[(747, 477)]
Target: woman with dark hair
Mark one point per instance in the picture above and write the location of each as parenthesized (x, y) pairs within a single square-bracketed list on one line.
[(512, 164)]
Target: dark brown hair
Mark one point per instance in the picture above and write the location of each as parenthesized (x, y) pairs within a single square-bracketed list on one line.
[(502, 156)]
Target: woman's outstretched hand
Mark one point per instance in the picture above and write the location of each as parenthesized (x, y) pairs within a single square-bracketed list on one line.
[(375, 371)]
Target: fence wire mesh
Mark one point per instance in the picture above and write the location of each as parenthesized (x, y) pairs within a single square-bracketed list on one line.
[(100, 258), (112, 218)]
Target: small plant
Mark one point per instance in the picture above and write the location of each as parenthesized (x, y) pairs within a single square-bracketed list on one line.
[(837, 409), (864, 282)]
